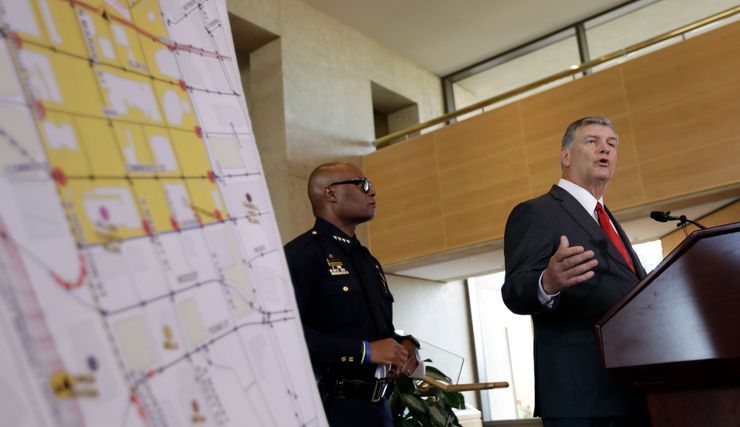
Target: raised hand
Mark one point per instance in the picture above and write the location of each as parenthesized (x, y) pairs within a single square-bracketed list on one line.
[(569, 265)]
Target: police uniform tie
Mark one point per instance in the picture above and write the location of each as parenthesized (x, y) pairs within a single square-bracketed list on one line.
[(612, 234)]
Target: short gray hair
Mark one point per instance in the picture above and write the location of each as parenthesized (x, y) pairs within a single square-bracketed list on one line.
[(570, 133)]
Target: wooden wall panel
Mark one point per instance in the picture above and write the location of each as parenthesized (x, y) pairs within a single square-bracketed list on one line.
[(546, 114), (624, 189), (402, 205), (691, 121), (626, 150), (676, 111), (496, 177), (543, 164), (425, 236), (481, 224), (693, 65), (399, 163), (706, 167), (480, 136)]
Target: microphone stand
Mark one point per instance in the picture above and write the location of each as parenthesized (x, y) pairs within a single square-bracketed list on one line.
[(684, 222)]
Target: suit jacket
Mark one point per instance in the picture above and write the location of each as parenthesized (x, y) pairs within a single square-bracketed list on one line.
[(569, 379)]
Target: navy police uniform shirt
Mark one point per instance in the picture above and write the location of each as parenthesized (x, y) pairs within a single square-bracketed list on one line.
[(325, 265)]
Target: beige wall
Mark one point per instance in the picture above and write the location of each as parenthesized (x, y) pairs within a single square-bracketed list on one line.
[(323, 76)]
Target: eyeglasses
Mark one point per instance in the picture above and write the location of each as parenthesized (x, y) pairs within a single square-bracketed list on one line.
[(364, 183)]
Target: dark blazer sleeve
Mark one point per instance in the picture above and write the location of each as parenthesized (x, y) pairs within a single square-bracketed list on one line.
[(528, 245), (304, 264)]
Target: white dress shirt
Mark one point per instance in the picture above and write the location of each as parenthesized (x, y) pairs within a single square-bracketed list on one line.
[(588, 201)]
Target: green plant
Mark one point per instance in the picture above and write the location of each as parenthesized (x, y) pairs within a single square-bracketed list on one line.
[(416, 403)]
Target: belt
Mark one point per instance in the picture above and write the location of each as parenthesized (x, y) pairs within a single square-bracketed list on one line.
[(350, 388)]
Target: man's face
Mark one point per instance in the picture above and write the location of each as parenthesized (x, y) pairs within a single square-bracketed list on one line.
[(592, 157), (352, 203)]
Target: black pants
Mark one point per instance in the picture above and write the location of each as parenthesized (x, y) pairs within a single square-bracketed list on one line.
[(358, 413), (596, 422)]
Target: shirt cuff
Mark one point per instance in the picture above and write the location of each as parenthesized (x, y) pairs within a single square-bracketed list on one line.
[(545, 299)]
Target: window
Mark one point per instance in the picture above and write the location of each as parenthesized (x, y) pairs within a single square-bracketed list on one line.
[(607, 35), (543, 62), (504, 351)]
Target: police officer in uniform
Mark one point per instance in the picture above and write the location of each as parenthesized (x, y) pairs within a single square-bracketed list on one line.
[(345, 304)]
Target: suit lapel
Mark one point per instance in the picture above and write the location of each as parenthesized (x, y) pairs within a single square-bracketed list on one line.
[(589, 224), (575, 210)]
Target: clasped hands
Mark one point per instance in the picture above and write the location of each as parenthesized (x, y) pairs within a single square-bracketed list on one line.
[(401, 357)]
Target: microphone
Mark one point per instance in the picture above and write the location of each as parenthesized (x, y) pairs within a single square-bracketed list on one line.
[(663, 216), (666, 216)]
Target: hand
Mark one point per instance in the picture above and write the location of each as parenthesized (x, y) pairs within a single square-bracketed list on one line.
[(411, 362), (570, 265), (388, 351)]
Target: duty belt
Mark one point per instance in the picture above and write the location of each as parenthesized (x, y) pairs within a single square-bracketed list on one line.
[(350, 388)]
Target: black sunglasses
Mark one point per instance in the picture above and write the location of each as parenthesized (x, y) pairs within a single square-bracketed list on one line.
[(364, 183)]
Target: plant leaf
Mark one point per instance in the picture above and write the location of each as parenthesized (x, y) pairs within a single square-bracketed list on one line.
[(438, 416), (454, 400), (437, 374), (414, 404)]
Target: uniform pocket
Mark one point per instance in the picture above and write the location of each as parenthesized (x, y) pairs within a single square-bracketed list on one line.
[(342, 302)]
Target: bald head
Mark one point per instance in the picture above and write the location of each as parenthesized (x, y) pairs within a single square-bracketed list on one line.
[(346, 203), (323, 176)]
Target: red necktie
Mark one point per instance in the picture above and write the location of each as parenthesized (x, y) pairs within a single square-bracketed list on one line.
[(612, 234)]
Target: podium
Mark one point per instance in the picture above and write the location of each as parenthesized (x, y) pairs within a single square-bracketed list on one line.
[(676, 336)]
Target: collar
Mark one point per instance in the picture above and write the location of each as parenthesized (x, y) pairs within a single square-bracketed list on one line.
[(584, 198), (331, 231)]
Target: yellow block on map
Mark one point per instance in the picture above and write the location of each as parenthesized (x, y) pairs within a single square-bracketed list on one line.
[(153, 205), (128, 96), (61, 82), (100, 144), (105, 210), (191, 153), (148, 19), (160, 59), (134, 147), (63, 144), (49, 23), (160, 144), (205, 197), (176, 105)]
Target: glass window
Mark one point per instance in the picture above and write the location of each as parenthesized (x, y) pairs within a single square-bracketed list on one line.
[(506, 349), (642, 24), (650, 254), (518, 72)]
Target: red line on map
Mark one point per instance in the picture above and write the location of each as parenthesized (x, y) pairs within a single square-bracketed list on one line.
[(169, 44), (70, 285)]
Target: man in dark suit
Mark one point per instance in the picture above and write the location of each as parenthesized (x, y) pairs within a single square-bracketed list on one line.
[(567, 263), (345, 303)]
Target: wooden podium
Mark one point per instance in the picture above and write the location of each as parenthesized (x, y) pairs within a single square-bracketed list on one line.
[(676, 336)]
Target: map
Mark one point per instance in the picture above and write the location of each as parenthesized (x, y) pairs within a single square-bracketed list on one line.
[(142, 278)]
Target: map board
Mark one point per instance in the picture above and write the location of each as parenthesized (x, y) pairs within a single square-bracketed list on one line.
[(142, 278)]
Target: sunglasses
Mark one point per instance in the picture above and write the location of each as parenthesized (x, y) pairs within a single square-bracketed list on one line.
[(364, 183)]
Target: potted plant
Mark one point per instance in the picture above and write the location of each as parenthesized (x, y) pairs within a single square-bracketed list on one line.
[(417, 403)]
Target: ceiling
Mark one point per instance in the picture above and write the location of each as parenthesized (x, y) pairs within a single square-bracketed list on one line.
[(445, 36)]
